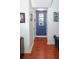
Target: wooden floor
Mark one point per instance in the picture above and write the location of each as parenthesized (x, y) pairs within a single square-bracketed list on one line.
[(42, 51)]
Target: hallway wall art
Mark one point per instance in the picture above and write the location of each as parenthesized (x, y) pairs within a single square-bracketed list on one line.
[(56, 16), (22, 17), (31, 17)]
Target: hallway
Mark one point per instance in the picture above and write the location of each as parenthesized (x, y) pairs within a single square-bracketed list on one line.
[(41, 50), (40, 19)]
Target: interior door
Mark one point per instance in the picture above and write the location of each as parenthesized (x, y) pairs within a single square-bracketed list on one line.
[(41, 22)]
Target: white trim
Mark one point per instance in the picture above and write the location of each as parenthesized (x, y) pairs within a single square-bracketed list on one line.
[(41, 9), (41, 36), (50, 42), (30, 49), (32, 46)]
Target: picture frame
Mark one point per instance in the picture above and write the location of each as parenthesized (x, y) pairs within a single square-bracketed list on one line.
[(56, 16), (22, 17), (31, 17)]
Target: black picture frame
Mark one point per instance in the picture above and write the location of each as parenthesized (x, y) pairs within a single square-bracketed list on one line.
[(31, 17), (56, 16), (22, 17)]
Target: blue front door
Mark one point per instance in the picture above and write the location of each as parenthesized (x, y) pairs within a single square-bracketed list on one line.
[(41, 22)]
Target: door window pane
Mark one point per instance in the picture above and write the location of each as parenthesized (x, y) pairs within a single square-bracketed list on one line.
[(41, 19)]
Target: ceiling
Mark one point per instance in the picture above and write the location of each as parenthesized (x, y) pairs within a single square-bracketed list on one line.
[(41, 3)]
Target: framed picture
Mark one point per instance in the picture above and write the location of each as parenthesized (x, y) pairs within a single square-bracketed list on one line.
[(31, 17), (56, 16), (22, 17)]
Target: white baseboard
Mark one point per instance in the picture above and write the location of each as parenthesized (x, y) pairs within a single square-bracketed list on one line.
[(40, 36), (30, 49), (50, 42)]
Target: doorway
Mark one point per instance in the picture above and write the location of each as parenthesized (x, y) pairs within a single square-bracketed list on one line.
[(41, 17)]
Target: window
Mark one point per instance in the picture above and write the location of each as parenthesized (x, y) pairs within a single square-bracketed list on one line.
[(41, 19)]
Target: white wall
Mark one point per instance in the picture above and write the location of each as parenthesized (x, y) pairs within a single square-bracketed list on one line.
[(53, 27), (34, 22), (31, 28), (26, 29)]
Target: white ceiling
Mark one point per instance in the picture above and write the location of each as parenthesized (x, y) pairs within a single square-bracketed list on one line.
[(41, 3)]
